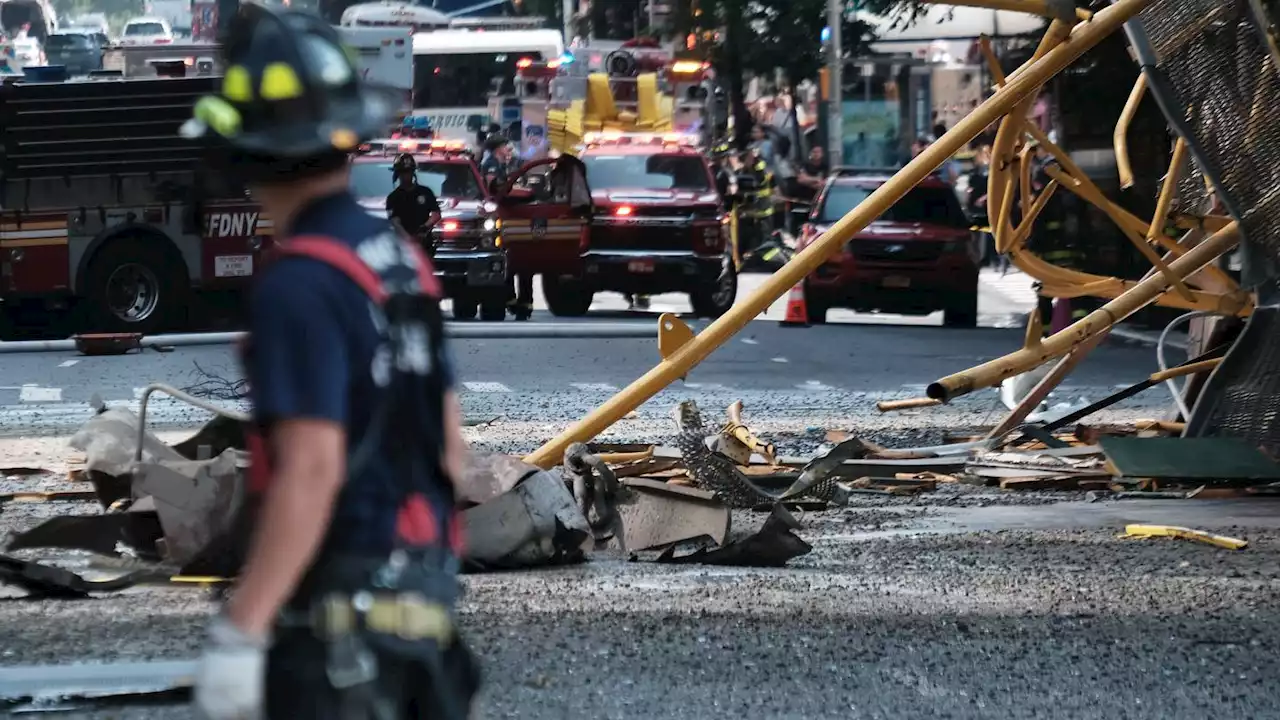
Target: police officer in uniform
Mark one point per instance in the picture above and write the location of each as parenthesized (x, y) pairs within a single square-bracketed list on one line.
[(344, 607), (410, 206), (496, 168)]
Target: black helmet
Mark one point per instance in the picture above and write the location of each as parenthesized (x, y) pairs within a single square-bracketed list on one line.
[(404, 164), (290, 91)]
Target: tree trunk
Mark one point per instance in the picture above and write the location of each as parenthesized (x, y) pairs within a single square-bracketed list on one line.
[(742, 120)]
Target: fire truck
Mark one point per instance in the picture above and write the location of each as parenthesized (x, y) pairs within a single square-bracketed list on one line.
[(640, 121), (554, 103), (659, 224), (114, 225)]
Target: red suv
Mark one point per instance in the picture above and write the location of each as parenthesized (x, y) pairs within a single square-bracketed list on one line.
[(918, 257)]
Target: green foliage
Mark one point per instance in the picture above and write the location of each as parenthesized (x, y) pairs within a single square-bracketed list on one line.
[(787, 34), (552, 10)]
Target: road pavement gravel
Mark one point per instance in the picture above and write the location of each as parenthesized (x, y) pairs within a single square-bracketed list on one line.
[(906, 608), (962, 603)]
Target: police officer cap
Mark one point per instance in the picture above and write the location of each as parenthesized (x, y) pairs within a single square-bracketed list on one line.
[(290, 90)]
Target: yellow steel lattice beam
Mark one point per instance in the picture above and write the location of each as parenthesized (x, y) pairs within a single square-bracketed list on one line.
[(1050, 58)]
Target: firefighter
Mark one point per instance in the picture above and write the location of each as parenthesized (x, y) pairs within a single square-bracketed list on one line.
[(412, 207), (345, 604), (758, 200)]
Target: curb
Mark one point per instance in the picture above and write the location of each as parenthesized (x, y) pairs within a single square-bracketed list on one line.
[(1148, 337)]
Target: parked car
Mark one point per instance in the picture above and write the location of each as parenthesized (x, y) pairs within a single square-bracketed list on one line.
[(28, 51), (918, 257), (146, 31), (80, 53)]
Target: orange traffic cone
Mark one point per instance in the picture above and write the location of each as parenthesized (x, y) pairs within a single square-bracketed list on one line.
[(797, 311)]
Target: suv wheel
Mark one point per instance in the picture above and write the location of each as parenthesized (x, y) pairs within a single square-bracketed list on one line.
[(716, 300), (962, 312), (566, 297), (464, 308), (816, 312)]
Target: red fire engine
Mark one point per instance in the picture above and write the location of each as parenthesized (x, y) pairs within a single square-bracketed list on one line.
[(114, 225)]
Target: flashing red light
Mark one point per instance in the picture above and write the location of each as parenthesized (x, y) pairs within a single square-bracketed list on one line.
[(449, 226), (523, 63), (623, 211), (408, 146)]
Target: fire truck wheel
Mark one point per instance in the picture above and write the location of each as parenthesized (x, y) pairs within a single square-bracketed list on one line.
[(133, 285), (566, 297), (716, 299), (464, 308)]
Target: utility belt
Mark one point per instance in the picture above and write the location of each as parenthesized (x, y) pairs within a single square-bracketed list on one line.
[(391, 595), (409, 617), (379, 618)]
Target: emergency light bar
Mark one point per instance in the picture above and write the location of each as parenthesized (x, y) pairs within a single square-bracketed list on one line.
[(688, 67), (446, 146), (537, 67), (620, 138), (393, 145)]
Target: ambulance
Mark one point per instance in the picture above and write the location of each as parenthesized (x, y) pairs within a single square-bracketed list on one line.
[(455, 72)]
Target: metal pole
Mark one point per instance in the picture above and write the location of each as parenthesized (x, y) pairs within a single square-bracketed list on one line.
[(1020, 86), (835, 103), (567, 9), (1080, 332), (462, 331)]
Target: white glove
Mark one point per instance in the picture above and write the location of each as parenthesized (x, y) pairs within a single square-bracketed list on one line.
[(230, 679)]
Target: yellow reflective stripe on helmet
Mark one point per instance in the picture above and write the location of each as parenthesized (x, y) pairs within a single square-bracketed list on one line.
[(236, 85), (219, 115), (280, 82)]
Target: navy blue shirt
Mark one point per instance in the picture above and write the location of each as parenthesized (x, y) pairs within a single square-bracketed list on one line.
[(313, 344)]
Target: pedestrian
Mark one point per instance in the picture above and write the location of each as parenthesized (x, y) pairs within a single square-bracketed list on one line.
[(812, 175), (411, 207), (976, 206), (783, 123), (761, 144), (950, 169), (785, 176), (345, 606)]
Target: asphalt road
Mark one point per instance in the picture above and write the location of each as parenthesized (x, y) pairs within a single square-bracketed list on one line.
[(816, 374), (965, 603)]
